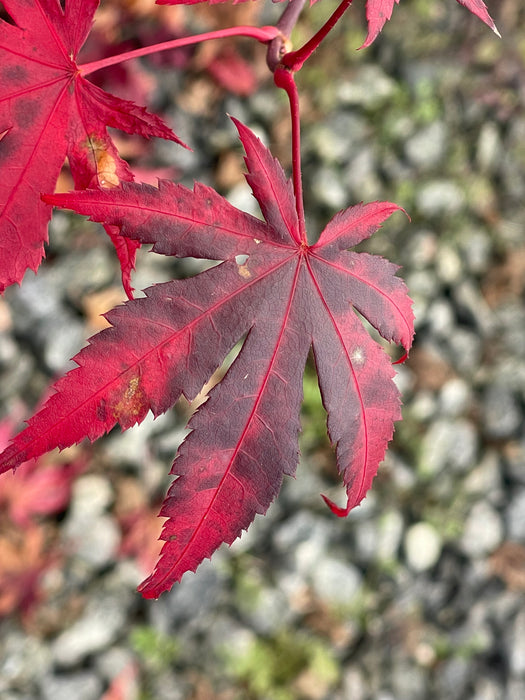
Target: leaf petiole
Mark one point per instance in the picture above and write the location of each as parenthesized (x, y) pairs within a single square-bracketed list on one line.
[(262, 34), (284, 79)]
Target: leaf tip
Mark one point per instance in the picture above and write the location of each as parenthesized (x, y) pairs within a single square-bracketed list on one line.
[(337, 510)]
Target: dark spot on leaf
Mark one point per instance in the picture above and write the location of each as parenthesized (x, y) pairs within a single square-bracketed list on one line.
[(25, 112), (14, 74)]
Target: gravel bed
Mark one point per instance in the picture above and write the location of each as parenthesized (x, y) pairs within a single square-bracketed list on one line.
[(420, 593)]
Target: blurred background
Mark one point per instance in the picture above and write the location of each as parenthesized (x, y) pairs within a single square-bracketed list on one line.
[(420, 593)]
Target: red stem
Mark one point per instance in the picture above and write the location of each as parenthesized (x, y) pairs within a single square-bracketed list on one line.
[(262, 34), (284, 79), (295, 59)]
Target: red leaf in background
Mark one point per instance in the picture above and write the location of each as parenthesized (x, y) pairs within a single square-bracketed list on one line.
[(40, 489), (282, 297), (380, 11), (49, 111), (233, 72), (24, 557)]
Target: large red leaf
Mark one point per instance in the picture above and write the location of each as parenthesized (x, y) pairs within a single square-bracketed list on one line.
[(48, 111), (278, 294)]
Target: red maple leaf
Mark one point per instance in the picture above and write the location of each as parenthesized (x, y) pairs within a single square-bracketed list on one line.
[(48, 111), (380, 11), (282, 297)]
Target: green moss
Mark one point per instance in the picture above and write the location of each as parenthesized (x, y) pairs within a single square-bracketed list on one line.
[(155, 650), (270, 666)]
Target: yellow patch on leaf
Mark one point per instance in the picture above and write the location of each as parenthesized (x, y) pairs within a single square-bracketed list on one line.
[(104, 163), (131, 405)]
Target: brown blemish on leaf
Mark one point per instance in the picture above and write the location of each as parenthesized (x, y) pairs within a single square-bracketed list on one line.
[(131, 404), (104, 163), (244, 272), (242, 266)]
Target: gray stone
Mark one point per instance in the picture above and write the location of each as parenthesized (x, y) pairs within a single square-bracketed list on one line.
[(80, 686), (466, 349), (449, 266), (95, 541), (489, 148), (448, 445), (475, 249), (370, 88), (303, 538), (336, 582), (190, 602), (335, 140), (441, 318), (487, 689), (23, 659), (90, 497), (328, 188), (354, 685), (408, 681), (485, 478), (270, 611), (483, 530), (440, 197), (360, 176), (501, 413), (515, 516), (114, 661), (427, 147), (102, 622), (453, 678), (517, 645), (92, 534), (455, 398), (515, 689), (422, 546), (390, 535)]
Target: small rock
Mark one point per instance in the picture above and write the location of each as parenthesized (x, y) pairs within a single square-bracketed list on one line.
[(517, 645), (328, 188), (515, 516), (391, 527), (501, 414), (335, 581), (440, 197), (370, 88), (303, 538), (99, 626), (448, 445), (454, 398), (483, 530), (422, 546), (95, 541), (489, 148), (192, 599), (80, 686), (426, 148)]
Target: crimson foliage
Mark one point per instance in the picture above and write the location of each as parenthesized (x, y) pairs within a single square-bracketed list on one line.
[(279, 294), (272, 292)]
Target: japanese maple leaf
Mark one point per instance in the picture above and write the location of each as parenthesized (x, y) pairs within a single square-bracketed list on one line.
[(377, 13), (380, 11), (48, 111), (279, 294)]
